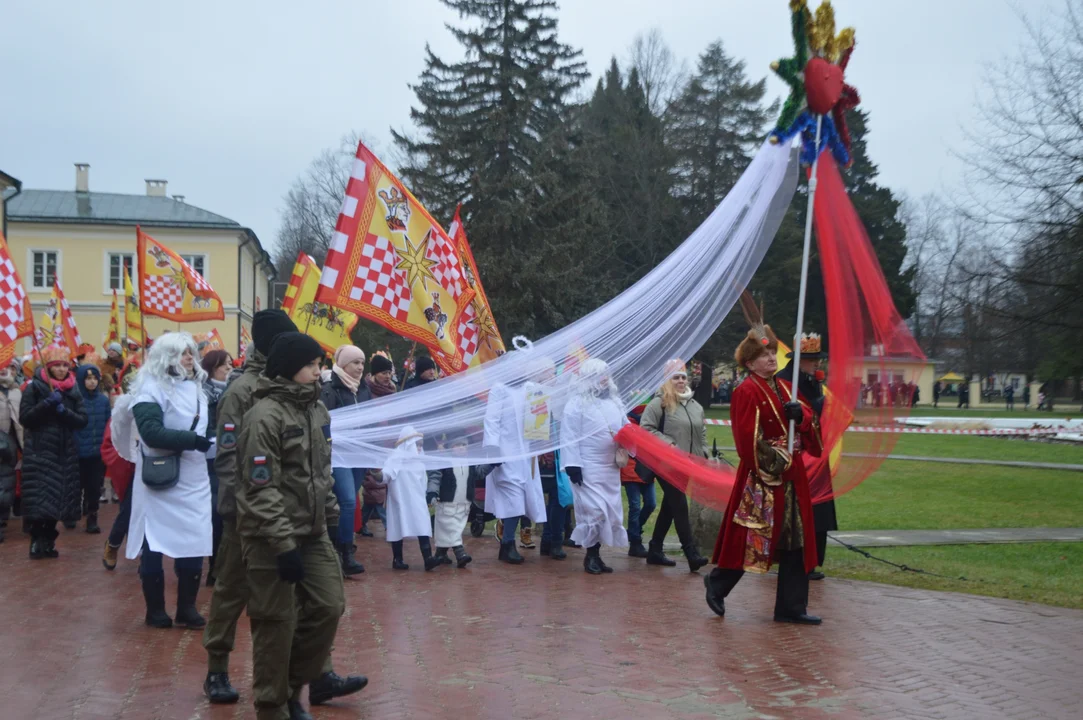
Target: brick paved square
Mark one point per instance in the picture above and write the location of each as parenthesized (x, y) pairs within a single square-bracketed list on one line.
[(545, 640)]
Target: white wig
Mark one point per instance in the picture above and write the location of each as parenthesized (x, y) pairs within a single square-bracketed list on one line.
[(164, 361), (595, 376)]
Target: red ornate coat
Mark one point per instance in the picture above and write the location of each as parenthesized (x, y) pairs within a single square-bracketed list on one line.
[(756, 412)]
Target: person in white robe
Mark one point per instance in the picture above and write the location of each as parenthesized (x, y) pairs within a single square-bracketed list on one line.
[(170, 415), (407, 509), (453, 491), (516, 417), (591, 457)]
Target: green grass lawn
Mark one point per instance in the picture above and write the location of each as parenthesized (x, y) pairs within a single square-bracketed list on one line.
[(1037, 572)]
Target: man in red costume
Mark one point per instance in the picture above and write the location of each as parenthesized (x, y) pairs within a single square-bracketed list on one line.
[(769, 516)]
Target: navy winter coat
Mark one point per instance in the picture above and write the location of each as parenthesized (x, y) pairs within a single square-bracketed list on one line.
[(98, 411)]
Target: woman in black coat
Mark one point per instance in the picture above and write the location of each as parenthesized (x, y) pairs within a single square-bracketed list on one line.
[(51, 411)]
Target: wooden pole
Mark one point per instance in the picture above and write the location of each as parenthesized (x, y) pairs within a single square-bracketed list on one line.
[(413, 349)]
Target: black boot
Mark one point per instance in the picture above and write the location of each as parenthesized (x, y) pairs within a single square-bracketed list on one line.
[(592, 563), (154, 596), (441, 555), (37, 548), (346, 560), (655, 556), (695, 560), (297, 710), (509, 554), (635, 547), (396, 552), (461, 556), (330, 686), (218, 689), (715, 601), (187, 590), (598, 555), (431, 563), (92, 524), (557, 552)]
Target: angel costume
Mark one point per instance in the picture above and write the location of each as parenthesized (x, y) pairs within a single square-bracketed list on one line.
[(589, 456), (407, 512)]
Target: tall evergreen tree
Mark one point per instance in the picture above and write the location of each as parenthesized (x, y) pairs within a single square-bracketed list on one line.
[(624, 142), (716, 124), (494, 135)]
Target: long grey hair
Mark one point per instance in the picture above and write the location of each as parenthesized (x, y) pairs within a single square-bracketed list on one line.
[(164, 362)]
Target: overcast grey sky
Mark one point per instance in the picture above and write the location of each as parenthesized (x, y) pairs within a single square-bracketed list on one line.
[(229, 101)]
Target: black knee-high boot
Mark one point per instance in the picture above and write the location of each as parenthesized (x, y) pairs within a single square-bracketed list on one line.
[(426, 552), (396, 552)]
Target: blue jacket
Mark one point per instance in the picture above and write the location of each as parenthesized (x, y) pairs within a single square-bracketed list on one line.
[(98, 411)]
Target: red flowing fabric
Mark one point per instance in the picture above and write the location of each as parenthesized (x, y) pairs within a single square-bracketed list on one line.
[(866, 336), (705, 482)]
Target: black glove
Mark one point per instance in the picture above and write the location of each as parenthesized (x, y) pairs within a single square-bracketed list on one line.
[(575, 475), (793, 411), (290, 567), (202, 444), (430, 496)]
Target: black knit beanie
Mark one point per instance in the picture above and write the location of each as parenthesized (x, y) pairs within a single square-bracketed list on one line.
[(380, 364), (423, 363), (267, 325), (290, 352)]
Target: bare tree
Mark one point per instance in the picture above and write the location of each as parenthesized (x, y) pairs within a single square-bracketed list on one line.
[(660, 72)]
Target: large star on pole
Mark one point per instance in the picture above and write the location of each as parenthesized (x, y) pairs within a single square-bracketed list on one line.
[(415, 263), (792, 69)]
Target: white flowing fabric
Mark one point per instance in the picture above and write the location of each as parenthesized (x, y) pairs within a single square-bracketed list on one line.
[(175, 522), (670, 312), (404, 473), (599, 515), (451, 516), (514, 488)]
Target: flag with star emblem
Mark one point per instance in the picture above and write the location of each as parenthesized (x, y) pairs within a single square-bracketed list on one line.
[(390, 262), (479, 338)]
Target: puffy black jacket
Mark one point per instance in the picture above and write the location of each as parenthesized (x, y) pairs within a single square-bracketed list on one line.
[(98, 412), (335, 394), (50, 456)]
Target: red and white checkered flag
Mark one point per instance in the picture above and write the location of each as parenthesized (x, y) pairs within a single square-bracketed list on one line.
[(15, 319), (170, 288)]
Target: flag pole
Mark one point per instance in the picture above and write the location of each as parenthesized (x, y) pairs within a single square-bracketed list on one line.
[(804, 276), (413, 349)]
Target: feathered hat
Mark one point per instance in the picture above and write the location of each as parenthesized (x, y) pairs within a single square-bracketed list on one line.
[(760, 339)]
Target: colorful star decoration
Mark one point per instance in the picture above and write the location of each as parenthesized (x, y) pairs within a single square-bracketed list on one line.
[(815, 75), (414, 261)]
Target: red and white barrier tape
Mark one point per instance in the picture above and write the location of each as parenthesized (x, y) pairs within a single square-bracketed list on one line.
[(939, 431)]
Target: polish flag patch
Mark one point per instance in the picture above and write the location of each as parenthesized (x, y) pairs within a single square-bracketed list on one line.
[(259, 460), (229, 427)]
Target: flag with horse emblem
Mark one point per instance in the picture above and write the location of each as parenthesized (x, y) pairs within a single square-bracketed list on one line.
[(15, 313), (57, 325), (328, 325), (170, 288), (479, 338), (391, 263)]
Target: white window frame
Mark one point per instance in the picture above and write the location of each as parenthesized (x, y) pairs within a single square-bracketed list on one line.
[(34, 287), (189, 257), (106, 267)]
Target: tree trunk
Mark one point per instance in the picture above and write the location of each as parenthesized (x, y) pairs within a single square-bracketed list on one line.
[(705, 392)]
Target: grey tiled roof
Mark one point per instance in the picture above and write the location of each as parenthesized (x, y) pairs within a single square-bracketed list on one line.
[(68, 206)]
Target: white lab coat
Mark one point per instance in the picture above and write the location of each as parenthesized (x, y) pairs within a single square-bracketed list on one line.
[(587, 430), (175, 522), (407, 482), (514, 488)]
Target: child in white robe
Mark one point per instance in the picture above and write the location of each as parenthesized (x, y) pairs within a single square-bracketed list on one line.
[(407, 510), (453, 490)]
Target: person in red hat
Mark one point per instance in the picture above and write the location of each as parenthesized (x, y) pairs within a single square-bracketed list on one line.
[(51, 410)]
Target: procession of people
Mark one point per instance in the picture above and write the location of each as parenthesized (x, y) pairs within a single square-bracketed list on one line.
[(235, 467)]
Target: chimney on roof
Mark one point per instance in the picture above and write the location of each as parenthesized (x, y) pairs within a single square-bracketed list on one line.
[(178, 198), (156, 188), (82, 177)]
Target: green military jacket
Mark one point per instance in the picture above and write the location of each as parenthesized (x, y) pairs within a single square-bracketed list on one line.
[(284, 484), (234, 403)]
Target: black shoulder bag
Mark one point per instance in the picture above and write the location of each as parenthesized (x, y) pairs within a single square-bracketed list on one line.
[(161, 472), (645, 473)]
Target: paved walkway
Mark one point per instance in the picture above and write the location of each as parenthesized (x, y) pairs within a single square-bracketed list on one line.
[(545, 640), (892, 538)]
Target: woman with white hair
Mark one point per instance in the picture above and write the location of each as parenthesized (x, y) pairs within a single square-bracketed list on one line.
[(592, 459), (171, 491)]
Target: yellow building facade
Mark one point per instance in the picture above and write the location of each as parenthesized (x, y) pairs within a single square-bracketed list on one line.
[(886, 370), (86, 239)]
